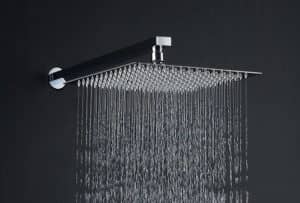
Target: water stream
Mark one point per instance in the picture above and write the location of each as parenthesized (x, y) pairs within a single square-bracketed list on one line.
[(160, 134)]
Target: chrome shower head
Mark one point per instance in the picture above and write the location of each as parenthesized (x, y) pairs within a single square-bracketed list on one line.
[(164, 77)]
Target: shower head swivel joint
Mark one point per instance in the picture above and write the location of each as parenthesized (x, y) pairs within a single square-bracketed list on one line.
[(157, 49)]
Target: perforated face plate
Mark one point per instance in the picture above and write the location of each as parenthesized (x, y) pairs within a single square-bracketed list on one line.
[(161, 77)]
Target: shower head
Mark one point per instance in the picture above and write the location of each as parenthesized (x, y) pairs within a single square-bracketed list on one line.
[(162, 77), (148, 76)]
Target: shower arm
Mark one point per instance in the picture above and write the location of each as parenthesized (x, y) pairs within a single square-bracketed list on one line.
[(58, 77)]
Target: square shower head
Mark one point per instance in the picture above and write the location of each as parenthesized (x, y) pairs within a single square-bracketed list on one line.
[(162, 77)]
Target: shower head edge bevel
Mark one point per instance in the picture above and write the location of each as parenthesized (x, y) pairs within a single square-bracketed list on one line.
[(186, 67)]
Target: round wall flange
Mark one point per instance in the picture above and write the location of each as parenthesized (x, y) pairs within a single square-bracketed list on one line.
[(57, 83)]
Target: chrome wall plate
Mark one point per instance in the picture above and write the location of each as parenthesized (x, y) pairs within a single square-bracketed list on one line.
[(58, 83)]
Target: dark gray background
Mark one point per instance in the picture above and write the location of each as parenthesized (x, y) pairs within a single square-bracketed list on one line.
[(39, 123)]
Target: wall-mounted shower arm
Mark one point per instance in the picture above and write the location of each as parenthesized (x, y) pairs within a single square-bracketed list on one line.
[(59, 77)]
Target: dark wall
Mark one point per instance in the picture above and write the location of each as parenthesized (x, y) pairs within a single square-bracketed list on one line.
[(39, 123)]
